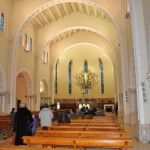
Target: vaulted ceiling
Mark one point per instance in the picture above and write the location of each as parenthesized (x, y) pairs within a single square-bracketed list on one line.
[(54, 13), (109, 19)]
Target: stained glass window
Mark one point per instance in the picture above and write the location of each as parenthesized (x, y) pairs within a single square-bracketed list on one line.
[(56, 78), (101, 75), (69, 77), (45, 57), (30, 44), (2, 21), (20, 40), (86, 70), (26, 42)]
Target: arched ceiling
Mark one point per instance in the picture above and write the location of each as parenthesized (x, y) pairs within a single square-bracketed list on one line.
[(50, 12), (106, 17), (63, 9)]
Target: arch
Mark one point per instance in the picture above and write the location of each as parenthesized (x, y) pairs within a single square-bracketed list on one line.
[(28, 79), (57, 58), (45, 83), (55, 2), (92, 30), (67, 48), (52, 3)]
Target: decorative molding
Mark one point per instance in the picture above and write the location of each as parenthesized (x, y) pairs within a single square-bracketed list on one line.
[(132, 89), (144, 132)]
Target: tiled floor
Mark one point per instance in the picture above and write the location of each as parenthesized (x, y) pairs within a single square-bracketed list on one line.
[(131, 130)]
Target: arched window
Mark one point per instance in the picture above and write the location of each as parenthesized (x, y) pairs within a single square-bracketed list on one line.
[(2, 21), (101, 75), (86, 71), (45, 57), (56, 78), (26, 42), (70, 77), (31, 44), (20, 40)]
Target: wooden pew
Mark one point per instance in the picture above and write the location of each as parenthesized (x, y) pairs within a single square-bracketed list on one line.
[(122, 144), (81, 134), (48, 141), (93, 120), (110, 116), (82, 128), (79, 142), (28, 148), (103, 124)]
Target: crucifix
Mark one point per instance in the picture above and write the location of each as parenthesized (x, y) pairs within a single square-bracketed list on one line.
[(83, 94)]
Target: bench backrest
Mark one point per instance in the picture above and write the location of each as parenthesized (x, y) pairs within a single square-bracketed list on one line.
[(89, 121), (81, 134), (79, 142), (88, 124), (55, 141), (107, 143), (27, 148), (81, 128)]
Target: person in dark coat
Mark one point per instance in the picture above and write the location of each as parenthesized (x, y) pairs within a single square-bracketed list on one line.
[(22, 124), (116, 108)]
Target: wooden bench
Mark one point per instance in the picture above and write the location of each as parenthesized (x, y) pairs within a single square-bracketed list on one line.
[(93, 120), (81, 128), (48, 141), (81, 134), (28, 148), (122, 144), (107, 116), (89, 124), (79, 142)]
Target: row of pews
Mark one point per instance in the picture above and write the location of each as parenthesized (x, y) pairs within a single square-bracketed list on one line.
[(98, 132)]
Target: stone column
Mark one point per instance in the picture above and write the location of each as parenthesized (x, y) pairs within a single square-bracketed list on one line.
[(141, 65)]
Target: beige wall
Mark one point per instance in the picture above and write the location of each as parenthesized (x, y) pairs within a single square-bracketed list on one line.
[(25, 60), (5, 7)]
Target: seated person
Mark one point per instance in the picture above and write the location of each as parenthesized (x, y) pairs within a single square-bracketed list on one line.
[(63, 117), (93, 111), (87, 111), (82, 111), (73, 114), (12, 113), (100, 112)]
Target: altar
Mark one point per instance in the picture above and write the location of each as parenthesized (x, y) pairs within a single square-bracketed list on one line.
[(109, 107)]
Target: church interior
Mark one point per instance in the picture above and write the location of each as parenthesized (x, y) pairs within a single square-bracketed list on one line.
[(75, 53)]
